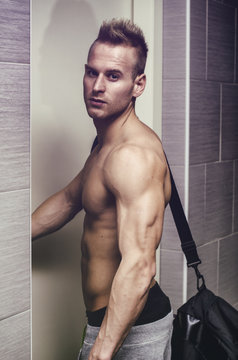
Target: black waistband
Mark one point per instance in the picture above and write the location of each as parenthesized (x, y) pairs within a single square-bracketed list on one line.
[(157, 306)]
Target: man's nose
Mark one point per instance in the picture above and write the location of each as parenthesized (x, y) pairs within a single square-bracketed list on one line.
[(99, 84)]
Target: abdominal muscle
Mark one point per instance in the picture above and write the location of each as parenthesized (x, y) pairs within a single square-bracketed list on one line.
[(100, 259)]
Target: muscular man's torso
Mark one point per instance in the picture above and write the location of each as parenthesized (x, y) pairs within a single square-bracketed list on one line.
[(100, 253)]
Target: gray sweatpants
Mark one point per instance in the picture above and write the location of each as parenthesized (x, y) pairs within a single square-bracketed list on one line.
[(144, 342)]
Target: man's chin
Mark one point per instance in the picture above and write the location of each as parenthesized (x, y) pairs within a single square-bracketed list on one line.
[(95, 113)]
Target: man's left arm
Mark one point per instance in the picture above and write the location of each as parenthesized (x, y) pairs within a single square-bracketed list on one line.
[(138, 189)]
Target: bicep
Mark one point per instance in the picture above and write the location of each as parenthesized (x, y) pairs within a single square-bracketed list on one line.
[(136, 178)]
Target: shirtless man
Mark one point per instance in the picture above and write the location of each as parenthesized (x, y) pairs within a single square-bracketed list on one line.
[(124, 188)]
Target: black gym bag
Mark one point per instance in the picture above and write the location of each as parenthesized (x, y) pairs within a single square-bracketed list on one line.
[(206, 326)]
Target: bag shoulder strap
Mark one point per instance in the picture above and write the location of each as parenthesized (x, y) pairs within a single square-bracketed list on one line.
[(187, 243)]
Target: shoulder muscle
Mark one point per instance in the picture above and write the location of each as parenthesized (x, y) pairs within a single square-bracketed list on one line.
[(131, 170)]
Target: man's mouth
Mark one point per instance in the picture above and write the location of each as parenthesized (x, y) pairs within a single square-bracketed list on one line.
[(97, 101)]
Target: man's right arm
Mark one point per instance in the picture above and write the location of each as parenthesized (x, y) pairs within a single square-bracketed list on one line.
[(58, 209)]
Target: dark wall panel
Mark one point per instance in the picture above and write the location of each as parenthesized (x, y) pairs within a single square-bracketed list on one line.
[(229, 122), (15, 126), (173, 125), (221, 42), (235, 215), (197, 198), (15, 252), (228, 268), (174, 39), (204, 121), (198, 43), (15, 31), (219, 198)]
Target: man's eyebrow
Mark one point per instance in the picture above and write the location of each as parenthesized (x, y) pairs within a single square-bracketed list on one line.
[(117, 71), (114, 71), (89, 67)]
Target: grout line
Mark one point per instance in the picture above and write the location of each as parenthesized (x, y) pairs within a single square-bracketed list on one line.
[(233, 199), (209, 81), (218, 266), (207, 163), (187, 110), (158, 70), (187, 124), (172, 250), (220, 135), (14, 314), (205, 198), (206, 70), (14, 63), (217, 239), (15, 190), (235, 46)]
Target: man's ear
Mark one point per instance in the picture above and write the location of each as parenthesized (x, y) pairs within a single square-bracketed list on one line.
[(139, 85)]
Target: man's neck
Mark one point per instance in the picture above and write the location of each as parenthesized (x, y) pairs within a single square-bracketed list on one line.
[(110, 129)]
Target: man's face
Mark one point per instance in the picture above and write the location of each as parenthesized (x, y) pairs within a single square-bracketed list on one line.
[(108, 83)]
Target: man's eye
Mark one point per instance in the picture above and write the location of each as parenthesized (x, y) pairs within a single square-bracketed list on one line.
[(113, 77), (91, 73)]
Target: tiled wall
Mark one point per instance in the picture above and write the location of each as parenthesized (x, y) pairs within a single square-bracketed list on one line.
[(14, 180), (213, 142)]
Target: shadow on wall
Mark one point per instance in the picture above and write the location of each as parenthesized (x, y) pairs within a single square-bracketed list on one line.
[(63, 54), (61, 141), (63, 131), (64, 51)]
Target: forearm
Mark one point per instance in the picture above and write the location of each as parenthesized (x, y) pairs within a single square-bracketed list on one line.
[(51, 215), (127, 299)]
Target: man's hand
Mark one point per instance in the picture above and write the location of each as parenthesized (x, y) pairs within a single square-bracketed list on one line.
[(94, 356), (103, 348)]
